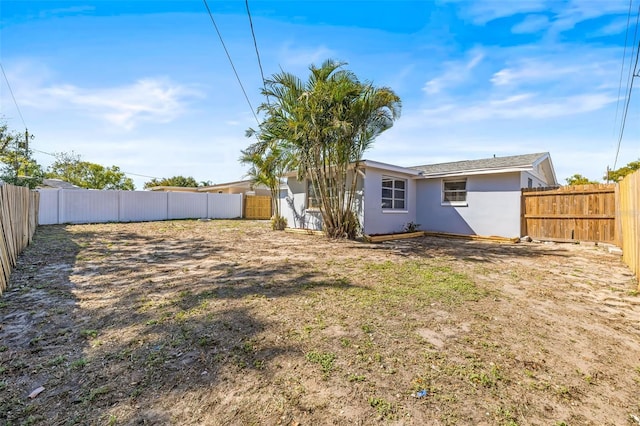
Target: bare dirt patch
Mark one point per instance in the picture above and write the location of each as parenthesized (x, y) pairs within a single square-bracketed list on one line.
[(227, 322)]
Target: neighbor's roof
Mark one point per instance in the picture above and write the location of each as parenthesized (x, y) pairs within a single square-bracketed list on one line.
[(57, 184), (173, 188), (514, 162), (237, 184)]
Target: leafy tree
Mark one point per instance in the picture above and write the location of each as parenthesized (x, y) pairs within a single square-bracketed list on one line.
[(326, 124), (185, 182), (7, 137), (70, 168), (578, 179), (619, 174), (19, 167)]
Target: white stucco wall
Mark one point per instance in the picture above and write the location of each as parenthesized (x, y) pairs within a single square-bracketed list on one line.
[(293, 204), (493, 206), (536, 181), (377, 220)]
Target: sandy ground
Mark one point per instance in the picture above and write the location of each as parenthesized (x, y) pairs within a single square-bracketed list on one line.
[(227, 322)]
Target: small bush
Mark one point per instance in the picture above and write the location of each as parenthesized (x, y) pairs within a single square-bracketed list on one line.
[(411, 227), (278, 223)]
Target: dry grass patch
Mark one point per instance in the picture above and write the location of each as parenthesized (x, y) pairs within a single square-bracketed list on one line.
[(227, 322)]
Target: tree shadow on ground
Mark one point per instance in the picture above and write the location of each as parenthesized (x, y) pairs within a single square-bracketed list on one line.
[(469, 250), (134, 320), (38, 330)]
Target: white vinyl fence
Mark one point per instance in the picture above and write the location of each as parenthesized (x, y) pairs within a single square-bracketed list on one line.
[(91, 206)]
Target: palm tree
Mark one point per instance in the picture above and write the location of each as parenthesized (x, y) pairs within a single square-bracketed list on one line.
[(268, 163), (326, 124)]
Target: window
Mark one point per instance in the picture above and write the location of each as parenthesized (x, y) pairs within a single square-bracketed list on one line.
[(454, 192), (394, 193), (529, 183), (313, 199)]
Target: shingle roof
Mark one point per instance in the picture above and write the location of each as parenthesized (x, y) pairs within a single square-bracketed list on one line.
[(483, 164), (58, 184)]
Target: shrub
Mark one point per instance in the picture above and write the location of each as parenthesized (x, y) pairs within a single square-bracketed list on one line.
[(278, 223)]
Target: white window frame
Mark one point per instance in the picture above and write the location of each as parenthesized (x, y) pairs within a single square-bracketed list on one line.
[(310, 190), (395, 191), (458, 191)]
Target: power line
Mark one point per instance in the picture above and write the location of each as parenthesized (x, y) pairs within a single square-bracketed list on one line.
[(125, 172), (632, 72), (624, 58), (139, 175), (12, 95), (255, 44), (626, 108), (230, 61)]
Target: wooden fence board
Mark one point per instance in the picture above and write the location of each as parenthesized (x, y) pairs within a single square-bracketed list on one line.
[(628, 212), (257, 207), (18, 222), (581, 213)]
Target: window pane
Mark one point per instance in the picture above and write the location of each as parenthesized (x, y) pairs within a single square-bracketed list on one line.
[(398, 204), (393, 193), (455, 196), (460, 185)]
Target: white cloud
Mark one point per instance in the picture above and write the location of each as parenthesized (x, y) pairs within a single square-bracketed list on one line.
[(454, 73), (581, 70), (156, 100), (481, 12), (617, 26), (524, 106), (531, 24), (565, 15), (533, 71)]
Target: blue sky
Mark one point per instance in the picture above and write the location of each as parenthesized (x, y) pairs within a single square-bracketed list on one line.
[(146, 85)]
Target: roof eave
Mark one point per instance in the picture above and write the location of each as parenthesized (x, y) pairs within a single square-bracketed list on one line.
[(477, 172)]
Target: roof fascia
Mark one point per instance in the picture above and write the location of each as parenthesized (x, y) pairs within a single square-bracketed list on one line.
[(477, 172), (391, 168)]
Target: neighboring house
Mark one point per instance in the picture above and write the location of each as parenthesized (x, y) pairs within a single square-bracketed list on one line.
[(56, 184), (476, 197), (246, 187), (239, 187)]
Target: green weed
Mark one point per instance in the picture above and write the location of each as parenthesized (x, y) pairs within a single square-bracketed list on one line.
[(383, 407), (102, 390), (423, 282), (89, 333), (79, 363), (356, 378), (56, 361), (324, 359)]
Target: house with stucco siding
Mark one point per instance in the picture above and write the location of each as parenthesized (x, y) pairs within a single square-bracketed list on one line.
[(471, 197)]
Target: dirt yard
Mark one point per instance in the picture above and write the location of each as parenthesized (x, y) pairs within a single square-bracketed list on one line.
[(227, 322)]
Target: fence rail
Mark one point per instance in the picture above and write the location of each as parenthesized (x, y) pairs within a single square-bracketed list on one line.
[(18, 222), (628, 212), (580, 212), (59, 206)]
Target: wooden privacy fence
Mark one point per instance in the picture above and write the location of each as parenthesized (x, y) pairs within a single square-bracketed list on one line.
[(18, 222), (257, 207), (579, 212), (628, 212)]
